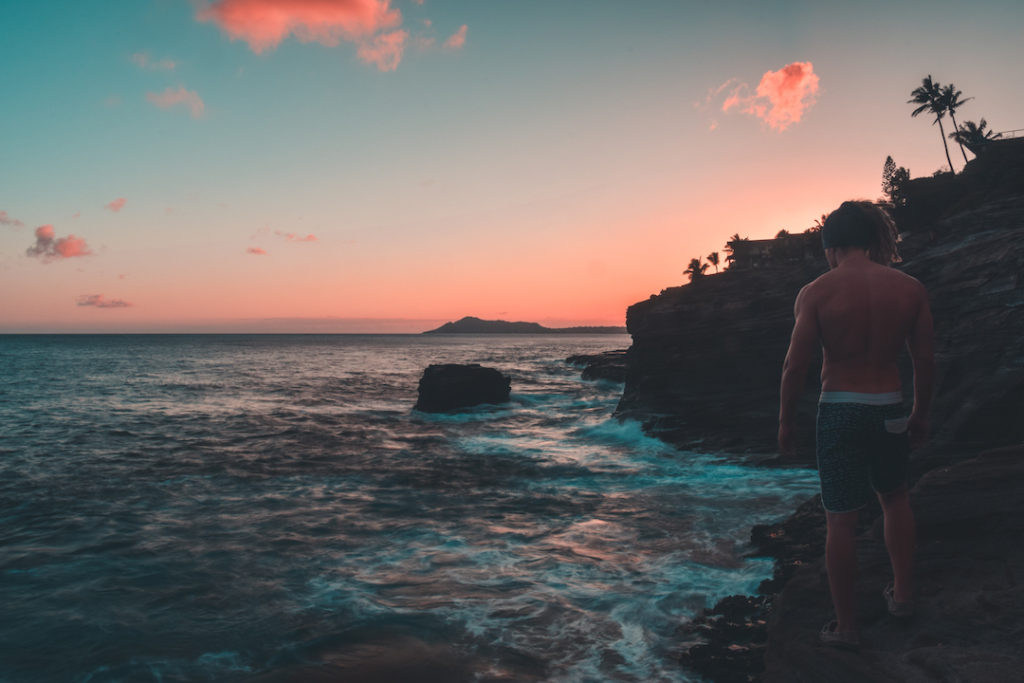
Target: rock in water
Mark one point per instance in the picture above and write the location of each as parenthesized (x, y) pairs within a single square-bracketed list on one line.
[(451, 386)]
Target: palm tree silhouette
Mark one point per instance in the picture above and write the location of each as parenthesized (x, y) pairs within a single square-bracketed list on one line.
[(929, 98), (974, 136), (713, 259), (730, 253), (950, 97), (696, 269)]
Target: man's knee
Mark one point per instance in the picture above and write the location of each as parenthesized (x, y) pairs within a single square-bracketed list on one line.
[(842, 522), (898, 496)]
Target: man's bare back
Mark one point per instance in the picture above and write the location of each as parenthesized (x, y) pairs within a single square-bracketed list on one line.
[(863, 314)]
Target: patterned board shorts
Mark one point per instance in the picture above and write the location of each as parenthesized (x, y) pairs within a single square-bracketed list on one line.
[(862, 447)]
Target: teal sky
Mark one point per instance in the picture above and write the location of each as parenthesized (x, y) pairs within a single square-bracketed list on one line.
[(560, 162)]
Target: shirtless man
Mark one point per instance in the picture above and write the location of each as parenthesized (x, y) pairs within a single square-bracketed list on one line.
[(863, 313)]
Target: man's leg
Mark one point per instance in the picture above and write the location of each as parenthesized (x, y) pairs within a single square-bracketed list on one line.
[(841, 560), (899, 540)]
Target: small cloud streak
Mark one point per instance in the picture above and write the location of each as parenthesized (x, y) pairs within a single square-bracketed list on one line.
[(171, 97), (292, 237), (7, 220), (49, 247), (781, 97), (457, 39), (115, 205), (384, 50), (256, 250), (263, 24), (143, 61), (99, 301)]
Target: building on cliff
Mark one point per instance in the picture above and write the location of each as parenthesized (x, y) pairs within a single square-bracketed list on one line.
[(784, 250)]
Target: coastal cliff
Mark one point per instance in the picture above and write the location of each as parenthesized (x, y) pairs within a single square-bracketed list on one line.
[(703, 373)]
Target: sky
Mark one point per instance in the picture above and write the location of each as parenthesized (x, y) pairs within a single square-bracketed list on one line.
[(386, 166)]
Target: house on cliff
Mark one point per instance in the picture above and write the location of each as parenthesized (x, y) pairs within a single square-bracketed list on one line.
[(782, 251)]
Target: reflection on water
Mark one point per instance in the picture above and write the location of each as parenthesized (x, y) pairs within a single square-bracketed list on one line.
[(214, 508)]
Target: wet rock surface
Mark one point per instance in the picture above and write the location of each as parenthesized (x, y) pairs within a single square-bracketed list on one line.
[(450, 386), (610, 365)]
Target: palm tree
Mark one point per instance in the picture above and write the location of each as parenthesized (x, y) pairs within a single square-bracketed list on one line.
[(819, 223), (713, 259), (730, 255), (928, 98), (696, 269), (950, 97), (974, 136)]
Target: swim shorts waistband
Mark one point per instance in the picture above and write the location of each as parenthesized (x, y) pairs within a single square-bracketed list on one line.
[(883, 399)]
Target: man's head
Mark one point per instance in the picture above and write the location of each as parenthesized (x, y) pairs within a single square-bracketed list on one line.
[(861, 226)]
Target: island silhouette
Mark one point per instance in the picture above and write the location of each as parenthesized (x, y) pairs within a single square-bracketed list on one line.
[(472, 325)]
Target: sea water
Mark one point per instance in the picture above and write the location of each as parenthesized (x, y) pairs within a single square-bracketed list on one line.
[(203, 507)]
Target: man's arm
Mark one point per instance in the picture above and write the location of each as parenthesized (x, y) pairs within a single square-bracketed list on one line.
[(920, 343), (794, 370)]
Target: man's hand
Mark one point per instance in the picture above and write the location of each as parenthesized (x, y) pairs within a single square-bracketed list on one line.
[(787, 440), (917, 426)]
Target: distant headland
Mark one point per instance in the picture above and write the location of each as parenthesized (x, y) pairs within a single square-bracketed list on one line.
[(471, 325)]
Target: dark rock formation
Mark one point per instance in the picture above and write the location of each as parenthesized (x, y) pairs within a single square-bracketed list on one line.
[(609, 365), (970, 603), (471, 325), (450, 387), (706, 359)]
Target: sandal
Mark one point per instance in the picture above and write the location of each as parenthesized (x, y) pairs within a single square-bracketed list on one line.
[(898, 609), (846, 640)]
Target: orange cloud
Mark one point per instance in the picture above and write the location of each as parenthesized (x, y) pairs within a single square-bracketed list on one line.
[(170, 97), (49, 247), (99, 301), (781, 97), (256, 250), (292, 237), (142, 60), (384, 50), (115, 205), (7, 220), (263, 24), (457, 39)]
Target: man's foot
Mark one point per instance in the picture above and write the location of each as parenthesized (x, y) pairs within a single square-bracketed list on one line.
[(846, 640), (901, 609)]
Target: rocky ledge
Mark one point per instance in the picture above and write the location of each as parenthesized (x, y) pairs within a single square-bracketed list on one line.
[(610, 365)]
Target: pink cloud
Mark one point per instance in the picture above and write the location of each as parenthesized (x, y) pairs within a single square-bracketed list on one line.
[(263, 24), (457, 39), (99, 301), (49, 247), (115, 205), (384, 50), (143, 61), (170, 97), (255, 250), (7, 220), (781, 97), (292, 237)]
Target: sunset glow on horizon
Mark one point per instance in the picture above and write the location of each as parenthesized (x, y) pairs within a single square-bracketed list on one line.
[(374, 165)]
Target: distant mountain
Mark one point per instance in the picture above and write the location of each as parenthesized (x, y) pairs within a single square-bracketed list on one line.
[(471, 325)]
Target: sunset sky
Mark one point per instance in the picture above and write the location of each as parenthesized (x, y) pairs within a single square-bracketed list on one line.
[(366, 165)]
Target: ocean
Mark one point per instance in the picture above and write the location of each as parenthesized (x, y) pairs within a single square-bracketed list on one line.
[(251, 507)]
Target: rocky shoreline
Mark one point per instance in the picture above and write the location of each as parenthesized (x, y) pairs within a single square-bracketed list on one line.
[(707, 357)]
